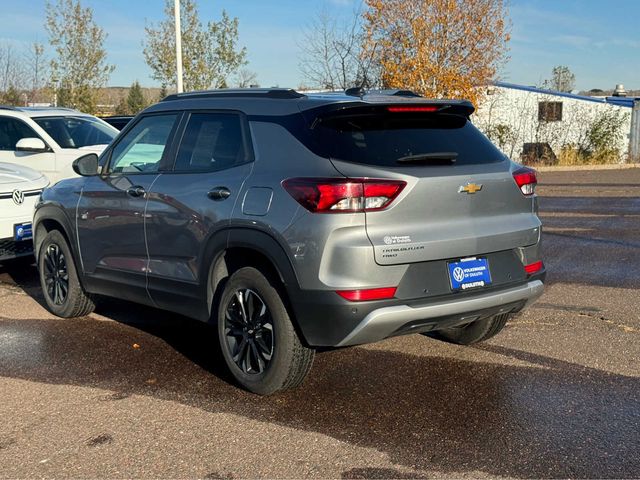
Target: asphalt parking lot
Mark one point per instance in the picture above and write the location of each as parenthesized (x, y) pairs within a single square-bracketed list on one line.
[(135, 392)]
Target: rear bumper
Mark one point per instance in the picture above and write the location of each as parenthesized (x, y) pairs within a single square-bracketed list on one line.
[(324, 319), (388, 321)]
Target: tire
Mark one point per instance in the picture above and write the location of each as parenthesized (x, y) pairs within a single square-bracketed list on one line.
[(272, 358), (474, 332), (63, 294)]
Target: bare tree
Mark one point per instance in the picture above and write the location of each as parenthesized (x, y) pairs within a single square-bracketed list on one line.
[(11, 68), (562, 79), (332, 53), (246, 78), (38, 71)]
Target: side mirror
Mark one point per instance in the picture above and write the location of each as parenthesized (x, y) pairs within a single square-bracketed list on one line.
[(31, 145), (86, 165)]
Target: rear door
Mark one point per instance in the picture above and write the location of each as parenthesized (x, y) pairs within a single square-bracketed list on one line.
[(460, 199), (193, 201)]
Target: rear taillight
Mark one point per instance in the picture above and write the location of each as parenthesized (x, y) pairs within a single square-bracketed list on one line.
[(533, 267), (343, 195), (368, 294), (526, 180)]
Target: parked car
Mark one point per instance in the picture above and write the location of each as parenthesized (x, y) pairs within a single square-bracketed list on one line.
[(118, 121), (20, 188), (296, 221), (50, 139)]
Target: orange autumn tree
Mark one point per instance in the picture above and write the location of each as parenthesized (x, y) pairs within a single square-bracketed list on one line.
[(439, 48)]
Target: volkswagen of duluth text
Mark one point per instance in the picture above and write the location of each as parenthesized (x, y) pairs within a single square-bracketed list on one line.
[(469, 273)]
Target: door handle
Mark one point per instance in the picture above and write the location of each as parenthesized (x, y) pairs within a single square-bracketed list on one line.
[(136, 191), (219, 193)]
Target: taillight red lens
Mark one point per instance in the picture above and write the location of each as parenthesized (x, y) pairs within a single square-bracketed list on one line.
[(526, 180), (368, 294), (413, 108), (533, 267), (343, 195)]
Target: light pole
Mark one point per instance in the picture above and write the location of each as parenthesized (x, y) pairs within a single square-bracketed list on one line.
[(54, 82), (178, 46)]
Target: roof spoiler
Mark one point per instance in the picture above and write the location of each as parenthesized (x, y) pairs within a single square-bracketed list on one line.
[(389, 106)]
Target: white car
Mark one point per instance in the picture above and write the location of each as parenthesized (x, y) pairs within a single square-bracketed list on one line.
[(20, 188), (50, 139)]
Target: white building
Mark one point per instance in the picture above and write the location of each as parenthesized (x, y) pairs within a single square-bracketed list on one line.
[(528, 121)]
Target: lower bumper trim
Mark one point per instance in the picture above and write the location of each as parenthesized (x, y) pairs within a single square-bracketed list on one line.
[(10, 249), (383, 322)]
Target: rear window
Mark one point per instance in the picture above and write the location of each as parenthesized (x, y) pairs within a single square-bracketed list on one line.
[(381, 139)]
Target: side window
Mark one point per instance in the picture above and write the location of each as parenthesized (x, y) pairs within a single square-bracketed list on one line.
[(12, 131), (211, 142), (141, 149)]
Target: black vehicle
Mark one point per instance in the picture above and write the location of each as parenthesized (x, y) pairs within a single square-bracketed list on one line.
[(119, 121)]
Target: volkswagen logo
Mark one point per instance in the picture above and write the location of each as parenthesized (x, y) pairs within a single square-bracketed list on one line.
[(18, 197), (458, 274)]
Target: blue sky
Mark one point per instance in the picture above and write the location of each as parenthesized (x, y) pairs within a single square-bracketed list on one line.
[(599, 41)]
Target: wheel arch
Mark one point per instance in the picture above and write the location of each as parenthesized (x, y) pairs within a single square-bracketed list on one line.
[(245, 247), (48, 218)]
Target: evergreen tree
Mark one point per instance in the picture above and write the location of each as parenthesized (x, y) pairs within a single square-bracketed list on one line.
[(135, 99)]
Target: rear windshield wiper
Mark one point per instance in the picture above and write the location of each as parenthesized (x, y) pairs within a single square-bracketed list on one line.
[(434, 157)]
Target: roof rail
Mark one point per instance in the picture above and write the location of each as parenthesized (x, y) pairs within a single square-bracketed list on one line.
[(8, 107), (44, 109), (279, 93), (361, 92)]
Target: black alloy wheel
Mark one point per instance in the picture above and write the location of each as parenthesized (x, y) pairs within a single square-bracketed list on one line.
[(56, 274), (248, 330)]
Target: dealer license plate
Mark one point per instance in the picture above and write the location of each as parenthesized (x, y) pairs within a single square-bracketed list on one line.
[(469, 273), (22, 231)]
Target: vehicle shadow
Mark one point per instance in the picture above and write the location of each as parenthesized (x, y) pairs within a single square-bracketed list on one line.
[(548, 418)]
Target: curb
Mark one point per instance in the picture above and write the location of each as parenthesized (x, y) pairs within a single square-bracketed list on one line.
[(571, 168)]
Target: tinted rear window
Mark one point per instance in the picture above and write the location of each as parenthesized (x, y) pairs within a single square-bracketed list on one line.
[(381, 139)]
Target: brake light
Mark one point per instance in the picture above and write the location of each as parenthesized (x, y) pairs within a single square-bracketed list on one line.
[(413, 108), (526, 180), (533, 267), (368, 294), (343, 195)]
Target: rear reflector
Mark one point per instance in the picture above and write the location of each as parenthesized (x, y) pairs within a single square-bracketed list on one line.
[(533, 267), (415, 108), (368, 294), (343, 195), (526, 180)]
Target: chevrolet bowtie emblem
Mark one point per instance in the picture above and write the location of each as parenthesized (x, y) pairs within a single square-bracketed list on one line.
[(470, 188)]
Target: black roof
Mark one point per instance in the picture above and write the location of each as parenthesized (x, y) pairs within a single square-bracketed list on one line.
[(284, 101)]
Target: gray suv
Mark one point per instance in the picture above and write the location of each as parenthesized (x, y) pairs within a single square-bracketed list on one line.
[(293, 222)]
